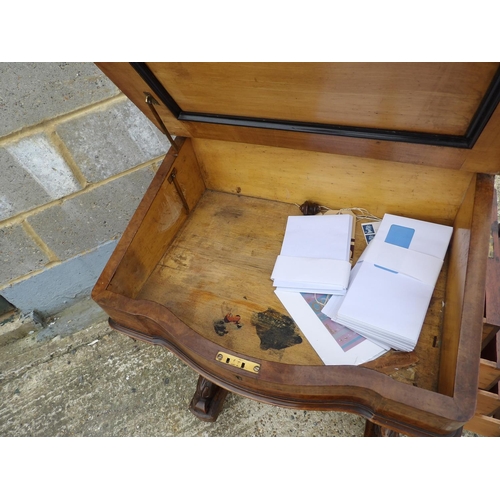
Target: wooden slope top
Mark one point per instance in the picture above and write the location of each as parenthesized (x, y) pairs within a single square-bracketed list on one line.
[(401, 105)]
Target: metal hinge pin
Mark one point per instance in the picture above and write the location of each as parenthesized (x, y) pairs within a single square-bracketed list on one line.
[(173, 178), (151, 101)]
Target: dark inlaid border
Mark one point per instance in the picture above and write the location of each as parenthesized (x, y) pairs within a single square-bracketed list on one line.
[(467, 141)]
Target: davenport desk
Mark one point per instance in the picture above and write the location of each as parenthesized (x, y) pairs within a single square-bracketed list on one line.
[(254, 141)]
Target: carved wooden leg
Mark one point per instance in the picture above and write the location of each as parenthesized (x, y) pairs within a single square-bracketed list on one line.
[(207, 400), (375, 430)]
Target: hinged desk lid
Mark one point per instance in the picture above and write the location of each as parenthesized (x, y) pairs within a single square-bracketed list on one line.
[(409, 112)]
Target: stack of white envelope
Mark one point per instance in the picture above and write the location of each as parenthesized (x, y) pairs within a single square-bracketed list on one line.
[(315, 253), (335, 344), (392, 283)]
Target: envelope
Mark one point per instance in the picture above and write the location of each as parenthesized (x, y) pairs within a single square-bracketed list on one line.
[(392, 284), (315, 254), (334, 344)]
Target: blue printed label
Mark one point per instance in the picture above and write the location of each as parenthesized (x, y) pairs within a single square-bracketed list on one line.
[(400, 236)]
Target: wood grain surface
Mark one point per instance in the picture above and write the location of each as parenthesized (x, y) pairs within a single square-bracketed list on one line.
[(337, 181), (438, 98), (221, 263), (428, 97)]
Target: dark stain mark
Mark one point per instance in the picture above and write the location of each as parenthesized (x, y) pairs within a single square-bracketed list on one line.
[(220, 327), (180, 260), (229, 213), (275, 330), (229, 322)]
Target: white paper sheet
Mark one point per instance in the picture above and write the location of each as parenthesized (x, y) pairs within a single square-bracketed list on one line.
[(334, 344), (315, 254), (385, 305), (327, 275)]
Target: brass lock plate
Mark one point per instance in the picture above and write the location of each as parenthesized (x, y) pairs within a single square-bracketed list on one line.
[(244, 364)]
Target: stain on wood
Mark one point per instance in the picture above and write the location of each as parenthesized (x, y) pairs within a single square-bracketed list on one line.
[(220, 327), (275, 330), (229, 322)]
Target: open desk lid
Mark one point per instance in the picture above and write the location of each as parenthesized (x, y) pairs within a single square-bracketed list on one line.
[(404, 112)]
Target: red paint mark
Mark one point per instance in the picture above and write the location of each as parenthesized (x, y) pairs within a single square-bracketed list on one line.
[(229, 318)]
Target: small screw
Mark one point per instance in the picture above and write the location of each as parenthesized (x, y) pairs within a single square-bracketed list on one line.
[(219, 356), (256, 369)]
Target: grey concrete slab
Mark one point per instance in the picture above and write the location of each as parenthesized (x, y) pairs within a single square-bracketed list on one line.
[(19, 255), (16, 325), (111, 141), (32, 92), (98, 382), (94, 217), (33, 173), (19, 191), (61, 286), (80, 315)]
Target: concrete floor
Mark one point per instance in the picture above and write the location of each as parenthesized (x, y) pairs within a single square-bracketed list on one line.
[(93, 381), (75, 378), (98, 382)]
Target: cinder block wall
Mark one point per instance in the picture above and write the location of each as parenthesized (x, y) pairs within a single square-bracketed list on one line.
[(76, 157)]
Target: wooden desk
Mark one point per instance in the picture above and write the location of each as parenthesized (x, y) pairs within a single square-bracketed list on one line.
[(191, 272)]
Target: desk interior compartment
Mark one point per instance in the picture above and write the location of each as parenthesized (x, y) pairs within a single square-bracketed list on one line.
[(189, 259)]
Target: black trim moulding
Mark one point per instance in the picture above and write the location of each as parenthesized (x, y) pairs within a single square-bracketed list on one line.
[(467, 141)]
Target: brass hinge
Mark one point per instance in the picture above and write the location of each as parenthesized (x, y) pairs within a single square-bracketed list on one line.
[(151, 101)]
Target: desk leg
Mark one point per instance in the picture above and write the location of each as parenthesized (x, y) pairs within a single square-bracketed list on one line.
[(375, 430), (207, 400)]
